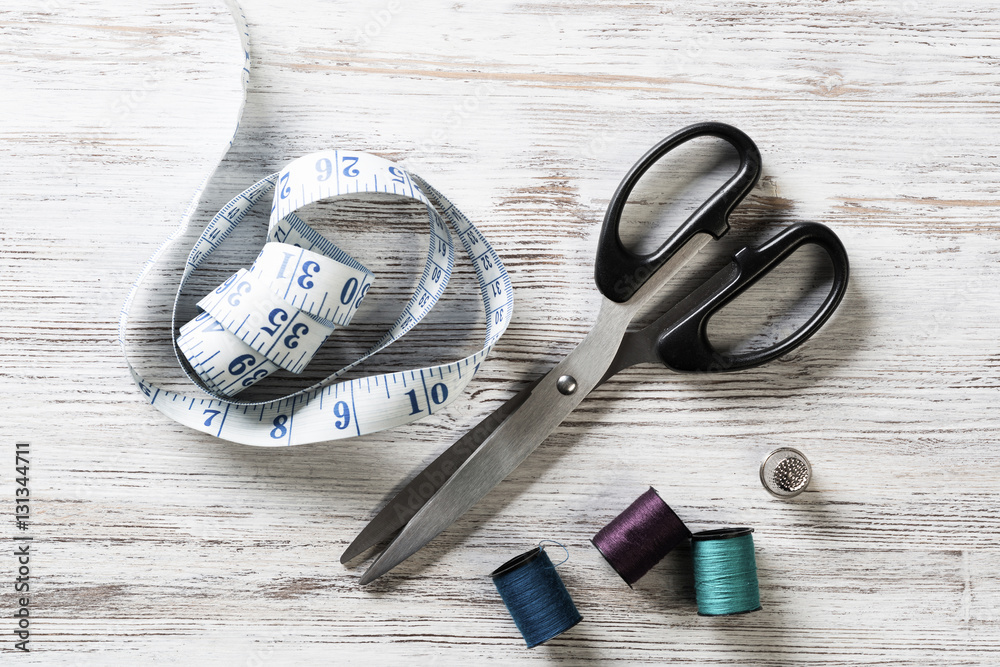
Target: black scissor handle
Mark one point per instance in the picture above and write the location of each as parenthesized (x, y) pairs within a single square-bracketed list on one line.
[(620, 273), (685, 346)]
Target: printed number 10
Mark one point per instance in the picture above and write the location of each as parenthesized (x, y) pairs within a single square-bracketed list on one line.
[(439, 394)]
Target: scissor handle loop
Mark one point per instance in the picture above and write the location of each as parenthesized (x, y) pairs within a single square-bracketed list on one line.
[(685, 347), (619, 272)]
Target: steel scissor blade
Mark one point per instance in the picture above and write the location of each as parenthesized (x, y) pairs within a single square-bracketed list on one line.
[(530, 424), (414, 495), (502, 451), (512, 441)]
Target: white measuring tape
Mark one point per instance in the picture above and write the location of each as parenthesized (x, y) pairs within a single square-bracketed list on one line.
[(276, 314)]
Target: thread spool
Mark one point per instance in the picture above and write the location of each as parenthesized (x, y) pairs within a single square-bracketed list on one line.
[(639, 538), (535, 596), (725, 571)]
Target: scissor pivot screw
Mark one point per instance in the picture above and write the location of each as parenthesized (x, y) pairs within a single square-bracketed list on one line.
[(566, 385)]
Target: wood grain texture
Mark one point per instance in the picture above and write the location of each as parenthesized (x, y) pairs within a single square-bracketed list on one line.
[(155, 544)]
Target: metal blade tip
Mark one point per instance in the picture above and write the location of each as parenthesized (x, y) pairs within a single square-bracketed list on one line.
[(373, 573), (350, 553)]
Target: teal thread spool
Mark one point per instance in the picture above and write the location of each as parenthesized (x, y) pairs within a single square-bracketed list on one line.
[(535, 596), (725, 571)]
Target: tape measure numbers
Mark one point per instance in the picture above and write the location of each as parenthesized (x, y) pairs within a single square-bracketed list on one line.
[(277, 313)]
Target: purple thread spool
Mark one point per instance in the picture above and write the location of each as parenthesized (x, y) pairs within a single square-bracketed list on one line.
[(639, 538)]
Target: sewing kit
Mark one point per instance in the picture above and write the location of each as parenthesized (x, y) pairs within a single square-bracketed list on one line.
[(483, 457), (274, 315), (723, 564)]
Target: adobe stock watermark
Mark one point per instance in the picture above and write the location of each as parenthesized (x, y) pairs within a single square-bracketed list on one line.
[(125, 104), (376, 23), (597, 145), (259, 657), (79, 153), (460, 113), (898, 6), (690, 51), (22, 546)]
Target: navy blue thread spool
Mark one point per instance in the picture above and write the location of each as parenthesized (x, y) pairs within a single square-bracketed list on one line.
[(725, 571), (535, 596)]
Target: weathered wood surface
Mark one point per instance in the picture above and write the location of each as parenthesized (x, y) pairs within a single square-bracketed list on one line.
[(158, 544)]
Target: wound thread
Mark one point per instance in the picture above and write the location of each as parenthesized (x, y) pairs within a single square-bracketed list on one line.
[(725, 571), (639, 538), (536, 597)]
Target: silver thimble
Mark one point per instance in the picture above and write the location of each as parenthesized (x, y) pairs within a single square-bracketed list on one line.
[(785, 472)]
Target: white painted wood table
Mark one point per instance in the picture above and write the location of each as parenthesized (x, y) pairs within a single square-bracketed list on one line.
[(156, 544)]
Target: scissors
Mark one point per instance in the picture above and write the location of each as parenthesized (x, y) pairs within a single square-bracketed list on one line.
[(481, 459)]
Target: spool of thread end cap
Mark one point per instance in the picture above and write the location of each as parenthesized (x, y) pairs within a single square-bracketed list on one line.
[(785, 472), (535, 596)]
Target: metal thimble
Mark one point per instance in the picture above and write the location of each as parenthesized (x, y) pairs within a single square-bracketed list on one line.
[(785, 472)]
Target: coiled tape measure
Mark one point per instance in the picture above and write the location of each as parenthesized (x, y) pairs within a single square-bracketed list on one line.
[(276, 314)]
